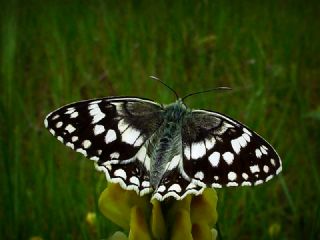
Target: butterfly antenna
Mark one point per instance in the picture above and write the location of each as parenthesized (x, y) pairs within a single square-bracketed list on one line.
[(155, 78), (210, 90)]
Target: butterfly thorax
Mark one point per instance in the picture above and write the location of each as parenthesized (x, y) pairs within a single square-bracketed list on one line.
[(175, 112), (167, 141)]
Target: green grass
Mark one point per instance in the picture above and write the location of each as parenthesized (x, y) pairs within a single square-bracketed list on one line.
[(54, 53)]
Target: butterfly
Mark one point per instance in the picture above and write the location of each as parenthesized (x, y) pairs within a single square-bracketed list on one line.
[(167, 150)]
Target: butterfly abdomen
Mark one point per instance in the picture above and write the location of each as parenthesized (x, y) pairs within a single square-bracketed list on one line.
[(167, 144)]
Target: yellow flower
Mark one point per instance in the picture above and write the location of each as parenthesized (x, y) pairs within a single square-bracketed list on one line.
[(187, 219), (91, 218)]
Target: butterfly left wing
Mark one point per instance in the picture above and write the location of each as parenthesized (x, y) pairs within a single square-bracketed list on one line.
[(219, 151), (114, 133)]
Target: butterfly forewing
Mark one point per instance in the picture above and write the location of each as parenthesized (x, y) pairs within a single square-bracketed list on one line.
[(113, 132), (219, 151)]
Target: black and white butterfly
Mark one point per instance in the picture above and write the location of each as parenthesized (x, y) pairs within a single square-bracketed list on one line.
[(169, 150)]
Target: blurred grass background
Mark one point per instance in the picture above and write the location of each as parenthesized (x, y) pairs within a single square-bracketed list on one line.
[(56, 52)]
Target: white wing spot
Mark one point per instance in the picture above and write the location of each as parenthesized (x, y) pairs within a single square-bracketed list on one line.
[(135, 180), (59, 124), (190, 186), (122, 125), (199, 175), (139, 141), (216, 178), (279, 170), (175, 187), (120, 173), (235, 145), (214, 159), (216, 185), (99, 152), (74, 138), (228, 157), (60, 139), (273, 162), (143, 157), (130, 135), (98, 129), (97, 118), (245, 176), (110, 136), (70, 145), (254, 168), (93, 106), (70, 128), (269, 178), (232, 184), (242, 141), (258, 153), (174, 162), (147, 162), (258, 182), (265, 168), (246, 183), (210, 143), (198, 150), (223, 128), (187, 152), (264, 147), (263, 150), (94, 158), (161, 188), (52, 132), (96, 113), (74, 115), (86, 144), (246, 137), (232, 176), (142, 154), (118, 106), (114, 155), (70, 110), (55, 117), (80, 150), (247, 131), (46, 122), (145, 184)]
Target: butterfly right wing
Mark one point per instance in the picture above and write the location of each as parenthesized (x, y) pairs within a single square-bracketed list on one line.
[(219, 151), (114, 133)]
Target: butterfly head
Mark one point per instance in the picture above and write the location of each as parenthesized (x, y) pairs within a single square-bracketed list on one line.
[(176, 111)]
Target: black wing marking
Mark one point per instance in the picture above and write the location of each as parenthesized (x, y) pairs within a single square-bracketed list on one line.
[(219, 151), (132, 175), (175, 183), (111, 131)]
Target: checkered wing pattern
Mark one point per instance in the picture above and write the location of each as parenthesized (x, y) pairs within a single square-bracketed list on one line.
[(113, 132), (219, 151)]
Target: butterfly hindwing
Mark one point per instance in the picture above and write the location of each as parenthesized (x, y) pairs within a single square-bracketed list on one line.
[(130, 175), (175, 183), (111, 131), (219, 151)]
